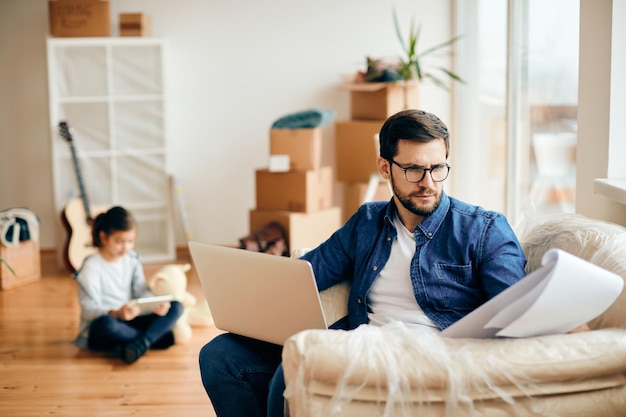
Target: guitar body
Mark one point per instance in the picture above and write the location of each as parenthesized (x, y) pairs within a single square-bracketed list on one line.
[(79, 242)]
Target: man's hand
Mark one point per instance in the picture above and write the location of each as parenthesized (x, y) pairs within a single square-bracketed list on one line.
[(582, 328)]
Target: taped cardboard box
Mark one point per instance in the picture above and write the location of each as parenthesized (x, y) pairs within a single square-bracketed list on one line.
[(24, 260), (135, 24), (374, 101), (78, 18), (355, 149), (304, 147), (301, 191), (354, 194)]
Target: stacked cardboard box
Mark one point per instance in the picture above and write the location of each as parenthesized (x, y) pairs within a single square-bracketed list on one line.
[(356, 148), (299, 197)]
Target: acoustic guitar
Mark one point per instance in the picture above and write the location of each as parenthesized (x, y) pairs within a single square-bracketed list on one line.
[(77, 216)]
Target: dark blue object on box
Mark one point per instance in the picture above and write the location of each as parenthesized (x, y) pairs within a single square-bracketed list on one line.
[(305, 119), (24, 232)]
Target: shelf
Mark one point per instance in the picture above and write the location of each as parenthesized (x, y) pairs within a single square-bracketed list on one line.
[(615, 189), (111, 93), (100, 41), (106, 99)]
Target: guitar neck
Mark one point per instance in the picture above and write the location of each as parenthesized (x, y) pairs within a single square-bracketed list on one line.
[(79, 179)]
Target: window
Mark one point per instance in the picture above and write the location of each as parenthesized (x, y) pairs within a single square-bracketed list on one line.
[(517, 114)]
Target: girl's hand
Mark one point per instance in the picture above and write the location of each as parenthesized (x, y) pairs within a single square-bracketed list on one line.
[(127, 312), (162, 309)]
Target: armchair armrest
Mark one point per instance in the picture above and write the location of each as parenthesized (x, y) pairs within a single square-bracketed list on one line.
[(599, 242), (399, 367), (335, 301)]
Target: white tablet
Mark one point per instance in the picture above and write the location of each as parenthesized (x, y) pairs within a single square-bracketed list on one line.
[(148, 304)]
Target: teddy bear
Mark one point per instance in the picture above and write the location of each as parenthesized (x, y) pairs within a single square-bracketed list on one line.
[(171, 279)]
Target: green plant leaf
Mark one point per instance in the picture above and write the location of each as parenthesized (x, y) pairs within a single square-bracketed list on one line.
[(451, 75), (418, 69), (398, 32), (411, 65), (7, 265), (441, 45), (436, 81)]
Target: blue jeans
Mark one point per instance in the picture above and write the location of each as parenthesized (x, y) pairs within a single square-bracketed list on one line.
[(243, 376), (106, 332)]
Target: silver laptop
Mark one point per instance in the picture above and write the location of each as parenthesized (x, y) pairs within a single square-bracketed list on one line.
[(262, 296)]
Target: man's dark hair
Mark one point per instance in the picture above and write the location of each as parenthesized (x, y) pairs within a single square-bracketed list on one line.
[(416, 125)]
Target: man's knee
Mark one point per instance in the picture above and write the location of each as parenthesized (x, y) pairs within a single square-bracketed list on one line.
[(214, 360), (276, 400), (229, 357)]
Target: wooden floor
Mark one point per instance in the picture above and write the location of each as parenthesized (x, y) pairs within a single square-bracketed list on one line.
[(43, 373)]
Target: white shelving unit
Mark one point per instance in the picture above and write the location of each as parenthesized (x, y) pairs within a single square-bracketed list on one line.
[(111, 92)]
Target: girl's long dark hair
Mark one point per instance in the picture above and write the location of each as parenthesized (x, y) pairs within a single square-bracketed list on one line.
[(116, 219)]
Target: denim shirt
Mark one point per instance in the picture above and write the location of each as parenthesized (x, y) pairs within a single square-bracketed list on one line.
[(464, 256)]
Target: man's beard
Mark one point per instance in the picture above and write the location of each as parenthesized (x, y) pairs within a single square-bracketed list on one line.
[(408, 204)]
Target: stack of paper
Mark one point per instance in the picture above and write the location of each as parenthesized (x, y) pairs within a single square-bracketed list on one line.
[(564, 293)]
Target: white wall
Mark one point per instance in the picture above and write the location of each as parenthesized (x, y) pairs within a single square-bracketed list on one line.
[(234, 68), (600, 117)]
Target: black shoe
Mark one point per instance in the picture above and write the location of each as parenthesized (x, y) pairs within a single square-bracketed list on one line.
[(132, 351), (164, 342)]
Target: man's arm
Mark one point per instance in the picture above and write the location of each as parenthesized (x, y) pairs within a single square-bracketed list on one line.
[(501, 261)]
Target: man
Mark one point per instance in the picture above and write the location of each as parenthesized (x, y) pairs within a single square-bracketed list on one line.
[(423, 258)]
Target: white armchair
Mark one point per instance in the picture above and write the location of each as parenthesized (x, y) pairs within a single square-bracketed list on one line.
[(395, 371)]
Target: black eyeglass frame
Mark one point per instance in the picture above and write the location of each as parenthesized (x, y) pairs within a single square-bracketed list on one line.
[(423, 169)]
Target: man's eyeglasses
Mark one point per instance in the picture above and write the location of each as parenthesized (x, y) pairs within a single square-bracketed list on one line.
[(416, 174)]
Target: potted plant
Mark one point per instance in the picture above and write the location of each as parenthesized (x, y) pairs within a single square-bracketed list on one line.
[(411, 68)]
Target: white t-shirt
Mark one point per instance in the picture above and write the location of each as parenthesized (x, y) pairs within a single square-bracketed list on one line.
[(391, 297)]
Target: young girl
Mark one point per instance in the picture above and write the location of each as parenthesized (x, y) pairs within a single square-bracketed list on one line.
[(107, 281)]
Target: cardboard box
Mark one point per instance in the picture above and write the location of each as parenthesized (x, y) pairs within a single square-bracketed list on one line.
[(72, 18), (375, 101), (354, 193), (301, 191), (304, 230), (24, 260), (356, 150), (134, 24), (304, 147)]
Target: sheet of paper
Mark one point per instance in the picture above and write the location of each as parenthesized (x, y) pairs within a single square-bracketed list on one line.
[(473, 324), (576, 292), (564, 293), (510, 312)]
